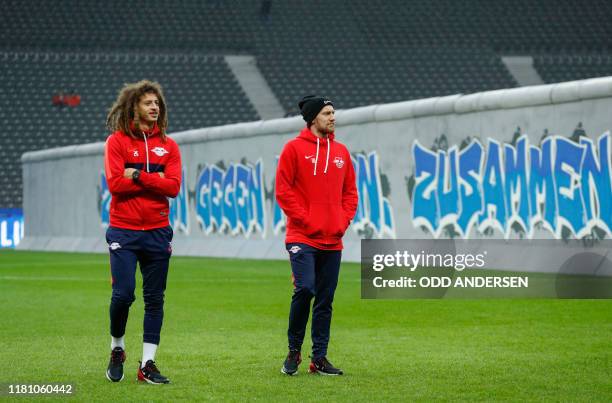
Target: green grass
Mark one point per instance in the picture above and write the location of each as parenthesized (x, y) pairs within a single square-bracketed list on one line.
[(224, 338)]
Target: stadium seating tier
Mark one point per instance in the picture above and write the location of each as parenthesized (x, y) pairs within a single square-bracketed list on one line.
[(359, 52)]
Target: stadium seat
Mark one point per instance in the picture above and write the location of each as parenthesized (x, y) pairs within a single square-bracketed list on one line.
[(366, 52)]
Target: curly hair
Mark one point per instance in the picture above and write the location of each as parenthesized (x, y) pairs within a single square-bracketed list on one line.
[(121, 114)]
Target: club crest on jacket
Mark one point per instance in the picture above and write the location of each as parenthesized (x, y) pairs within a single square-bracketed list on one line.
[(159, 151)]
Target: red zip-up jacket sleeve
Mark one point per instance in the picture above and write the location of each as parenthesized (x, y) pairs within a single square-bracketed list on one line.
[(350, 198), (285, 177), (170, 184), (114, 165)]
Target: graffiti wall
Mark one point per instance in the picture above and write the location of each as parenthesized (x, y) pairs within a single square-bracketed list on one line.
[(561, 185), (232, 199), (520, 163)]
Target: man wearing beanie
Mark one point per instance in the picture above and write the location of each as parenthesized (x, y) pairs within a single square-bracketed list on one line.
[(315, 187)]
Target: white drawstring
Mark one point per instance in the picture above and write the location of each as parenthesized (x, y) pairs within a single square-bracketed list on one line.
[(146, 149), (326, 159), (328, 152), (316, 158)]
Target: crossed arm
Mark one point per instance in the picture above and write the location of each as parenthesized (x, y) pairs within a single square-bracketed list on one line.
[(120, 181), (128, 172)]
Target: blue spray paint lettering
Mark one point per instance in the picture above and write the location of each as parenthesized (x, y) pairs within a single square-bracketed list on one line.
[(104, 200), (470, 160), (515, 186), (232, 200), (11, 227), (560, 184), (567, 170), (425, 210), (596, 182), (448, 186), (179, 208), (278, 217), (494, 212), (542, 201), (373, 210), (229, 220)]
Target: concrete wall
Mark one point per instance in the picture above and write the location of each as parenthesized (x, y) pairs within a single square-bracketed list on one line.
[(65, 199)]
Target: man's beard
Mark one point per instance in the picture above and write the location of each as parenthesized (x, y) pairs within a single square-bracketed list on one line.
[(326, 130)]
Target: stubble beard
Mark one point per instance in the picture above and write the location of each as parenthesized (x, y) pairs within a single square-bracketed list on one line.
[(327, 130)]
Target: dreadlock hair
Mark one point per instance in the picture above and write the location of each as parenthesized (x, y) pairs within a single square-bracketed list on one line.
[(121, 114)]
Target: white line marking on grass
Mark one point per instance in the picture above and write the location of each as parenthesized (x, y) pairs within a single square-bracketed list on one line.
[(87, 263), (40, 278)]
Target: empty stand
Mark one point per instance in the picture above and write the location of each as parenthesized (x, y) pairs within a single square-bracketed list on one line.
[(200, 91), (377, 76), (358, 52), (569, 67)]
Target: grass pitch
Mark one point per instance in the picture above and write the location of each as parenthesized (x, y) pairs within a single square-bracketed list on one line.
[(224, 338)]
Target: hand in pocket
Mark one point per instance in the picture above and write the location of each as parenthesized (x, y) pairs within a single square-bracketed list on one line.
[(339, 226)]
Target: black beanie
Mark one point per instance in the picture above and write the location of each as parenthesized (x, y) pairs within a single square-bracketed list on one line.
[(311, 105)]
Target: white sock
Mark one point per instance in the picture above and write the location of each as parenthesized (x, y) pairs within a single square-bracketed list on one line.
[(117, 342), (148, 353)]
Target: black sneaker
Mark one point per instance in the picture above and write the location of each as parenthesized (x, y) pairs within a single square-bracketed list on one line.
[(150, 374), (114, 372), (290, 366), (324, 367)]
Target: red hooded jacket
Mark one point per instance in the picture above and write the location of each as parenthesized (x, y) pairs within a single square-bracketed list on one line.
[(143, 205), (315, 187)]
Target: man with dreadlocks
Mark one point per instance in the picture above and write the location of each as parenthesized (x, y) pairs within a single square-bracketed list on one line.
[(143, 169)]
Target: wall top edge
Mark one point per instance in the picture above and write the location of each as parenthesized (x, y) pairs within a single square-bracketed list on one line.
[(510, 98)]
